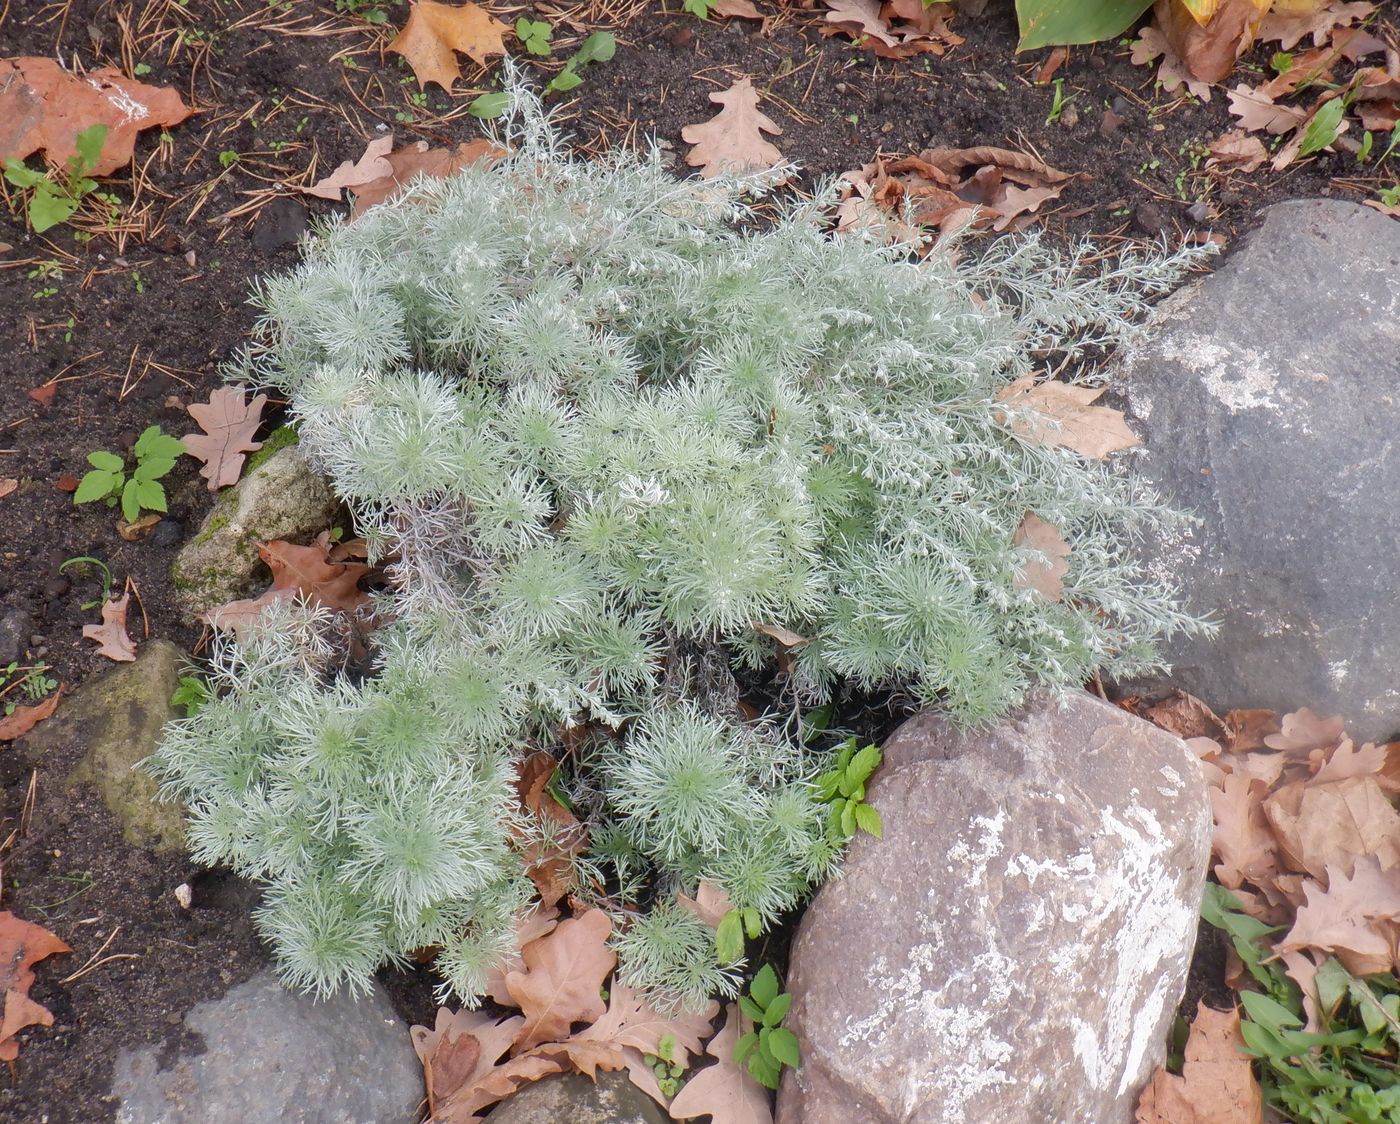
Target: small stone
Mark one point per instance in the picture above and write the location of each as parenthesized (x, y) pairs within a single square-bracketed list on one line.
[(116, 719), (681, 37), (887, 127), (1148, 218), (1295, 552), (1199, 211), (167, 533), (1069, 116), (841, 88), (184, 895), (1014, 948), (270, 1055), (577, 1100), (14, 627), (279, 224), (280, 499)]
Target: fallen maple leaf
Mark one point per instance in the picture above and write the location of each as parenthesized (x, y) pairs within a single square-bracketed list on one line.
[(434, 31), (1217, 1081), (229, 422), (22, 945), (44, 108), (111, 635), (731, 142), (1059, 413), (1048, 563), (25, 718), (726, 1089), (563, 974), (1353, 917), (304, 570)]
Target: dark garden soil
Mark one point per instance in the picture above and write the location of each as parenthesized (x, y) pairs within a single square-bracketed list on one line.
[(132, 325)]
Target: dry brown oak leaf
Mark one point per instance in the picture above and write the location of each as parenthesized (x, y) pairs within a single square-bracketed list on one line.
[(529, 926), (564, 972), (229, 421), (1045, 569), (1217, 1082), (1329, 825), (435, 31), (1354, 918), (25, 718), (22, 945), (726, 1090), (462, 1067), (897, 29), (1242, 841), (304, 570), (111, 635), (43, 107), (1057, 413), (731, 142), (382, 172), (547, 858)]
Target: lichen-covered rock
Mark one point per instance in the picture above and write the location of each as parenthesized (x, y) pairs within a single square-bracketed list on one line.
[(116, 720), (1267, 400), (282, 498), (1015, 946), (271, 1057), (574, 1099)]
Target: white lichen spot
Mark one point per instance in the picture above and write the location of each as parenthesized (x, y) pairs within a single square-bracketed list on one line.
[(1338, 670), (1238, 377)]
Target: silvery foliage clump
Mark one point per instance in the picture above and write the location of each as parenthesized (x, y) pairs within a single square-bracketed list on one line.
[(591, 417)]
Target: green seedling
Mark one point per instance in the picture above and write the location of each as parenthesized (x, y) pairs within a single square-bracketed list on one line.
[(700, 9), (667, 1070), (54, 200), (598, 47), (1324, 128), (730, 933), (156, 454), (82, 562), (192, 693), (1057, 105), (770, 1045), (534, 35), (34, 682), (843, 787)]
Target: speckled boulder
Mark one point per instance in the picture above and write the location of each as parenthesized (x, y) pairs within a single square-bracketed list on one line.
[(1015, 946), (1267, 397)]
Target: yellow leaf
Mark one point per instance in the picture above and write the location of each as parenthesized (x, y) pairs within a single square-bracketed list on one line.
[(1201, 10), (434, 31)]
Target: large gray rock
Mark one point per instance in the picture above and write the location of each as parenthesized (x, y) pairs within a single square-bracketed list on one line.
[(574, 1099), (116, 720), (272, 1057), (1013, 950), (280, 499), (1268, 400)]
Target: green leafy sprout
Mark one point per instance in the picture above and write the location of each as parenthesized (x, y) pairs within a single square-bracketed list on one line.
[(192, 693), (83, 561), (843, 788), (156, 454), (534, 35), (54, 200), (34, 682), (700, 9), (770, 1045), (598, 47)]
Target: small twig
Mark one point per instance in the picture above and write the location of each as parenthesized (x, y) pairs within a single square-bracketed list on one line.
[(93, 963)]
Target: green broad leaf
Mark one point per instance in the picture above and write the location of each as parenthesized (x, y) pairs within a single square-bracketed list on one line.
[(152, 468), (149, 494), (131, 501), (843, 757), (1054, 23), (868, 820), (1374, 1015), (766, 1071), (750, 1008), (47, 208), (1262, 1042), (753, 923), (783, 1045), (848, 818), (534, 34), (566, 80), (777, 1010), (745, 1046), (828, 784), (729, 938), (488, 106), (816, 722), (598, 47), (764, 989), (96, 485), (154, 443), (864, 763), (107, 462), (848, 784), (1268, 1012), (833, 819), (22, 175), (89, 145), (1332, 982), (1324, 128)]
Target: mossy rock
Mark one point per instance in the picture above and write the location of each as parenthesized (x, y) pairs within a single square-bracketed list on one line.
[(118, 718), (279, 498)]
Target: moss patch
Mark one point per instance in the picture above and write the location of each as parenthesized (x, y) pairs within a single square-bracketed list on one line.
[(279, 439)]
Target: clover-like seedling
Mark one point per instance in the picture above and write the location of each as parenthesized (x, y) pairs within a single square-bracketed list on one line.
[(843, 787), (155, 452), (534, 35), (770, 1045)]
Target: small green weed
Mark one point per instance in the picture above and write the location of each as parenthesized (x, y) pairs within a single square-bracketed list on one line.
[(843, 787), (770, 1045), (535, 35), (192, 693), (598, 47), (33, 682), (664, 1066), (1324, 128), (52, 201), (156, 454), (1057, 105), (699, 8), (371, 11), (83, 561)]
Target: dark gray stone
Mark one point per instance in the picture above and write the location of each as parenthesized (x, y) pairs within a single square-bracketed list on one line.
[(574, 1099), (1268, 398), (14, 627), (272, 1057), (1015, 947), (279, 224)]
